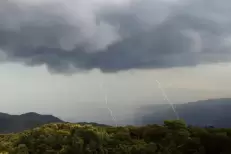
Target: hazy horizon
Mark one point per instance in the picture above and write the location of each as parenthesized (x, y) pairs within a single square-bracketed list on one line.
[(78, 96), (56, 54)]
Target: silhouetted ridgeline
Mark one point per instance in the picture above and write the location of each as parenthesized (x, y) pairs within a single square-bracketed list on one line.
[(15, 123), (212, 112)]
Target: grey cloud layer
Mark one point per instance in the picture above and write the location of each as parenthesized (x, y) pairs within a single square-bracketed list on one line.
[(70, 35)]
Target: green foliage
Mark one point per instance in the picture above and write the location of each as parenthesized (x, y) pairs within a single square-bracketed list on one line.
[(174, 137)]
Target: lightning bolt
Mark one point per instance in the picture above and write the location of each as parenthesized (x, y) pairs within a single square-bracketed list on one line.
[(103, 90), (167, 99)]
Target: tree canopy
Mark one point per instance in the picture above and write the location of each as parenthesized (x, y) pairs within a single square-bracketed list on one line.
[(174, 137)]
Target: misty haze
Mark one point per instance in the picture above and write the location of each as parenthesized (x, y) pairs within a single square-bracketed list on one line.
[(55, 56), (115, 62)]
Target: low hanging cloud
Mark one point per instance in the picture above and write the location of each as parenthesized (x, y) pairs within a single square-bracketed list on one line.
[(72, 35)]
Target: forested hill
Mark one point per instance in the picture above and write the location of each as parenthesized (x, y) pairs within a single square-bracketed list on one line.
[(173, 137), (16, 123)]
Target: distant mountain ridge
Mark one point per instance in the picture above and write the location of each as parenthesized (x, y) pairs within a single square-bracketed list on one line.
[(211, 112), (16, 123)]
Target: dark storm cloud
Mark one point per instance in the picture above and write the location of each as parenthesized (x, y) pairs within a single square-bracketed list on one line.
[(69, 36)]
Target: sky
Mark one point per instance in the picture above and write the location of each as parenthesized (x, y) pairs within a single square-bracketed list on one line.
[(62, 57)]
